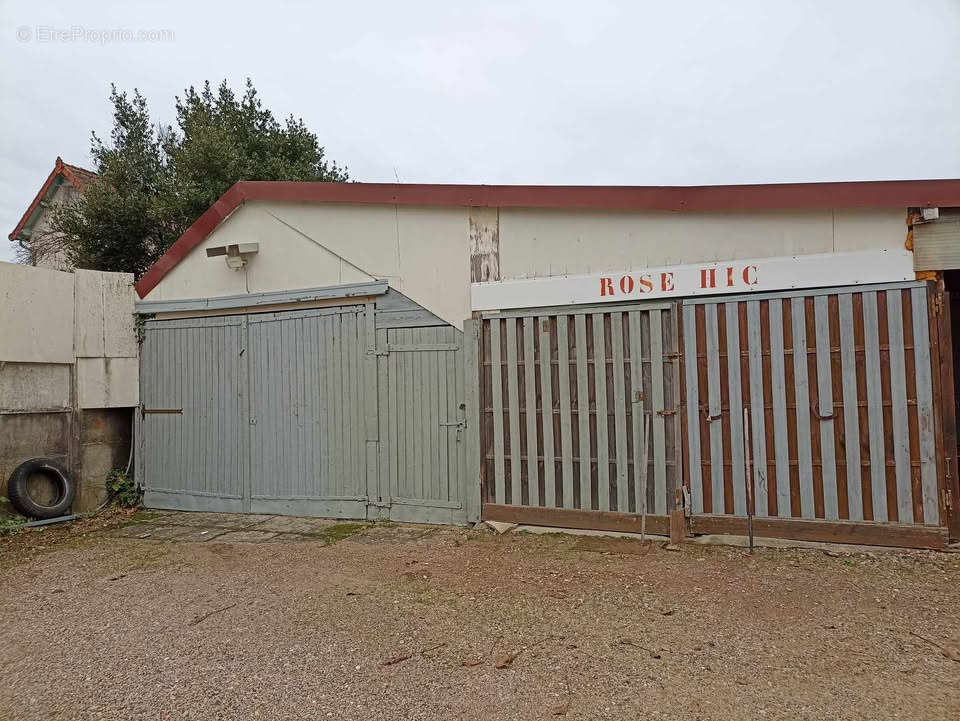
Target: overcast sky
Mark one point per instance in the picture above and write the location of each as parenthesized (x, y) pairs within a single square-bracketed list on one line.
[(683, 92)]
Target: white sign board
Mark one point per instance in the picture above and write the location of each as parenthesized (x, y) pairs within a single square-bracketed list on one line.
[(679, 281)]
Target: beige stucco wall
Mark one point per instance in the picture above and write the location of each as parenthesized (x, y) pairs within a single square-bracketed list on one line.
[(68, 372), (36, 314), (52, 320), (422, 252), (540, 243)]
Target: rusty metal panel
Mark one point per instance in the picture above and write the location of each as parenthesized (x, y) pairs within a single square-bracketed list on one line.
[(838, 387), (579, 431)]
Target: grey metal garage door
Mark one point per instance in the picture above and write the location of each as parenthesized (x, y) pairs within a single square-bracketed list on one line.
[(316, 412)]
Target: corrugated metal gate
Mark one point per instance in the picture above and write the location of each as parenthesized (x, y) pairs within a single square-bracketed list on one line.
[(562, 397), (839, 392), (348, 411)]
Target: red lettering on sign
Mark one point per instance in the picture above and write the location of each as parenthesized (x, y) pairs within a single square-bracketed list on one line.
[(626, 284), (606, 287), (729, 277), (708, 278), (646, 284), (666, 282), (748, 277)]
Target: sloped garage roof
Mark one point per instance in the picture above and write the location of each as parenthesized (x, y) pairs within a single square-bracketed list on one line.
[(783, 196)]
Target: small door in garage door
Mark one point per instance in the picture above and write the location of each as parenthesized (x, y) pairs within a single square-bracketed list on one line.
[(422, 423), (193, 424)]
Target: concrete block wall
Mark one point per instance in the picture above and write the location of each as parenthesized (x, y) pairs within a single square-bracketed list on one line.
[(69, 373)]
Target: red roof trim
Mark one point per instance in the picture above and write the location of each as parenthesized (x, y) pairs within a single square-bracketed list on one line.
[(871, 194), (59, 168)]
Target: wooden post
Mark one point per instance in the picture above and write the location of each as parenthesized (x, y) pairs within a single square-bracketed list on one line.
[(678, 526)]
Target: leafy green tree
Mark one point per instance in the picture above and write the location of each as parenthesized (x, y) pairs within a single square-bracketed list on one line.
[(155, 181)]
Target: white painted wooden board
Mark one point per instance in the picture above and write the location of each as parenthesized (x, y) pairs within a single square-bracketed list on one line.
[(678, 281)]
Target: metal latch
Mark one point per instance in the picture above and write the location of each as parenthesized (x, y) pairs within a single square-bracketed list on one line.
[(160, 411), (460, 425)]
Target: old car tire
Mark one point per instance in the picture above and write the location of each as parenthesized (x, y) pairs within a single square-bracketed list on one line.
[(19, 492)]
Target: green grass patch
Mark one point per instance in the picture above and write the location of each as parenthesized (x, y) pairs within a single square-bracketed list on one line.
[(339, 531), (11, 525)]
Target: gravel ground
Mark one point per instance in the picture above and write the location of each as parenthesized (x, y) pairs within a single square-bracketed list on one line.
[(436, 623)]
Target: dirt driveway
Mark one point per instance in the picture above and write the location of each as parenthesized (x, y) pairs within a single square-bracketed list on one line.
[(401, 622)]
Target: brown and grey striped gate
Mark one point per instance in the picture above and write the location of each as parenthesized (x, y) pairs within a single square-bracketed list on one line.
[(563, 395), (839, 441)]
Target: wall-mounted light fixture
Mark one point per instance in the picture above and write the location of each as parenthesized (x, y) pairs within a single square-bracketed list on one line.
[(236, 255)]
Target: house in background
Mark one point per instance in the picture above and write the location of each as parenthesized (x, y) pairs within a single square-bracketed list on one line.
[(39, 245)]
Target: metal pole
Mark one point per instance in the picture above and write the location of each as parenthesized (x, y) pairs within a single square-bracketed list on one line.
[(748, 476)]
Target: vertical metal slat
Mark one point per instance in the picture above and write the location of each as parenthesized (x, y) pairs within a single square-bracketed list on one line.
[(496, 383), (713, 408), (566, 417), (871, 341), (637, 401), (851, 415), (921, 352), (546, 416), (801, 384), (658, 429), (620, 410), (735, 394), (779, 401), (600, 382), (583, 411), (757, 415), (513, 401), (530, 406), (690, 352), (898, 400), (825, 401)]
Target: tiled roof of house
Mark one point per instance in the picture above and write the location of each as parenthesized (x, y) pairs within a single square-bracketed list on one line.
[(78, 177), (81, 176)]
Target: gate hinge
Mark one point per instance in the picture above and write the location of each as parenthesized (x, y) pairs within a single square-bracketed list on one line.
[(379, 352)]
